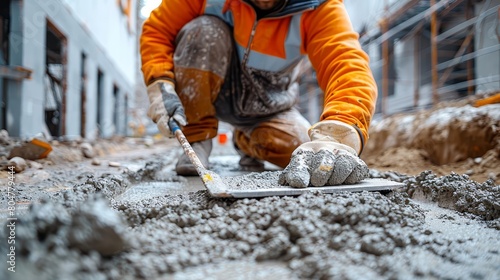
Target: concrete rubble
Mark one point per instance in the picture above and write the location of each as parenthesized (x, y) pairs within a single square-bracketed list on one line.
[(18, 163), (87, 150), (84, 232), (137, 220)]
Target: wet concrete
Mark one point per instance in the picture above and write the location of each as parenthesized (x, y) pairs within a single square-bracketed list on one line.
[(167, 227), (235, 270), (458, 193), (254, 181)]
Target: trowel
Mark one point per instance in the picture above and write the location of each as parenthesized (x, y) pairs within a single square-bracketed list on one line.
[(218, 188), (211, 180)]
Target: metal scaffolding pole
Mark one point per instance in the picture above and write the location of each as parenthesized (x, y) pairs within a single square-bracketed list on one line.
[(434, 55), (385, 69), (469, 12), (416, 69)]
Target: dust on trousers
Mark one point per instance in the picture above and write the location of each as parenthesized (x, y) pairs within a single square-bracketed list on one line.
[(213, 85)]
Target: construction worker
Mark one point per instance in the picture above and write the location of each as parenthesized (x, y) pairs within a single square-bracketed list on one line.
[(236, 61)]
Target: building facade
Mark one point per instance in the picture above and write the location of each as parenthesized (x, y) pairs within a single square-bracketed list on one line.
[(424, 51), (68, 67)]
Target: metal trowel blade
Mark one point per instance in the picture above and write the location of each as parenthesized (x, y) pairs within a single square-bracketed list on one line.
[(379, 185)]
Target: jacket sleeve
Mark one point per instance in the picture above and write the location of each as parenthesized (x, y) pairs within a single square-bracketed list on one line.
[(341, 66), (159, 31)]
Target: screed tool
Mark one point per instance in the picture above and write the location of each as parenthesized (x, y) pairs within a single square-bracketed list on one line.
[(217, 187)]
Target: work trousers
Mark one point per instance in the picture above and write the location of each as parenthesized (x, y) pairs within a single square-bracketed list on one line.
[(210, 84)]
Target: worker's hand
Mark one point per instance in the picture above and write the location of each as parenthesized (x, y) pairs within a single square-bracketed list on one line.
[(331, 158), (165, 104)]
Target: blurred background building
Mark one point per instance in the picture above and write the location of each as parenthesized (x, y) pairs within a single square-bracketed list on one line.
[(422, 52), (68, 68)]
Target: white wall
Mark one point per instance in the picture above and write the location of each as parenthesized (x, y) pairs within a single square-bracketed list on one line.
[(404, 85), (368, 12), (32, 53), (112, 49), (112, 30), (488, 65)]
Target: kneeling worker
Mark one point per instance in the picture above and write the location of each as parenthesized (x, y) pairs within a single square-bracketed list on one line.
[(236, 61)]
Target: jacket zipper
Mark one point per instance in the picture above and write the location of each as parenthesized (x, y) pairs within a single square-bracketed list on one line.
[(250, 40), (254, 27)]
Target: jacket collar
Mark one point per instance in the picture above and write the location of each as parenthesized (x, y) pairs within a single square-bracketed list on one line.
[(294, 6), (297, 6)]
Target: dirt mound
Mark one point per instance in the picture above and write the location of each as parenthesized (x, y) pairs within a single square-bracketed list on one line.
[(462, 139)]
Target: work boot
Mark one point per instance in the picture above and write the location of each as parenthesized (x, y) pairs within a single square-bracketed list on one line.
[(248, 163), (184, 167)]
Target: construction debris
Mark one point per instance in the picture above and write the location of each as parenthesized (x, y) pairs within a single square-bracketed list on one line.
[(87, 150), (32, 149), (114, 164), (4, 137), (18, 163), (488, 100), (95, 227)]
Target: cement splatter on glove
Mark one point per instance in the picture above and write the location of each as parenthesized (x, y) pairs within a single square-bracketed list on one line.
[(165, 104), (327, 159)]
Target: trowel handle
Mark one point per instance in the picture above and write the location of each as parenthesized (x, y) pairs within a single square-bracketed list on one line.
[(188, 150)]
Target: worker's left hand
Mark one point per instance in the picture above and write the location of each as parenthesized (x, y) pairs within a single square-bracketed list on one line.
[(165, 104), (329, 159)]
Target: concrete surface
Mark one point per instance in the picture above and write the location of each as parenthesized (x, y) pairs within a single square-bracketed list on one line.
[(167, 227)]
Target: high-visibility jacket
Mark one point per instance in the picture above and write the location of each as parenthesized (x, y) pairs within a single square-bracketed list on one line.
[(319, 29)]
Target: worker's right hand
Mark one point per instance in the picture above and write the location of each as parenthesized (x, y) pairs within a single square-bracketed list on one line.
[(165, 104), (330, 158)]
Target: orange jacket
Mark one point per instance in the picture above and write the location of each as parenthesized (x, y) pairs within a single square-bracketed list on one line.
[(319, 29)]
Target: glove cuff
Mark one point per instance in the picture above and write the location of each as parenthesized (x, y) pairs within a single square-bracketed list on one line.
[(336, 131), (154, 89), (165, 81)]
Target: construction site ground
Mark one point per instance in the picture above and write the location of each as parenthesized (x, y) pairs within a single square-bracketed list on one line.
[(121, 212)]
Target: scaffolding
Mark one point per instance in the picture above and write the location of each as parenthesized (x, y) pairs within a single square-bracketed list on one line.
[(448, 72)]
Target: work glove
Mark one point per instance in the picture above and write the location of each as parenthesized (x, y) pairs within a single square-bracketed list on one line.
[(164, 103), (330, 158)]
